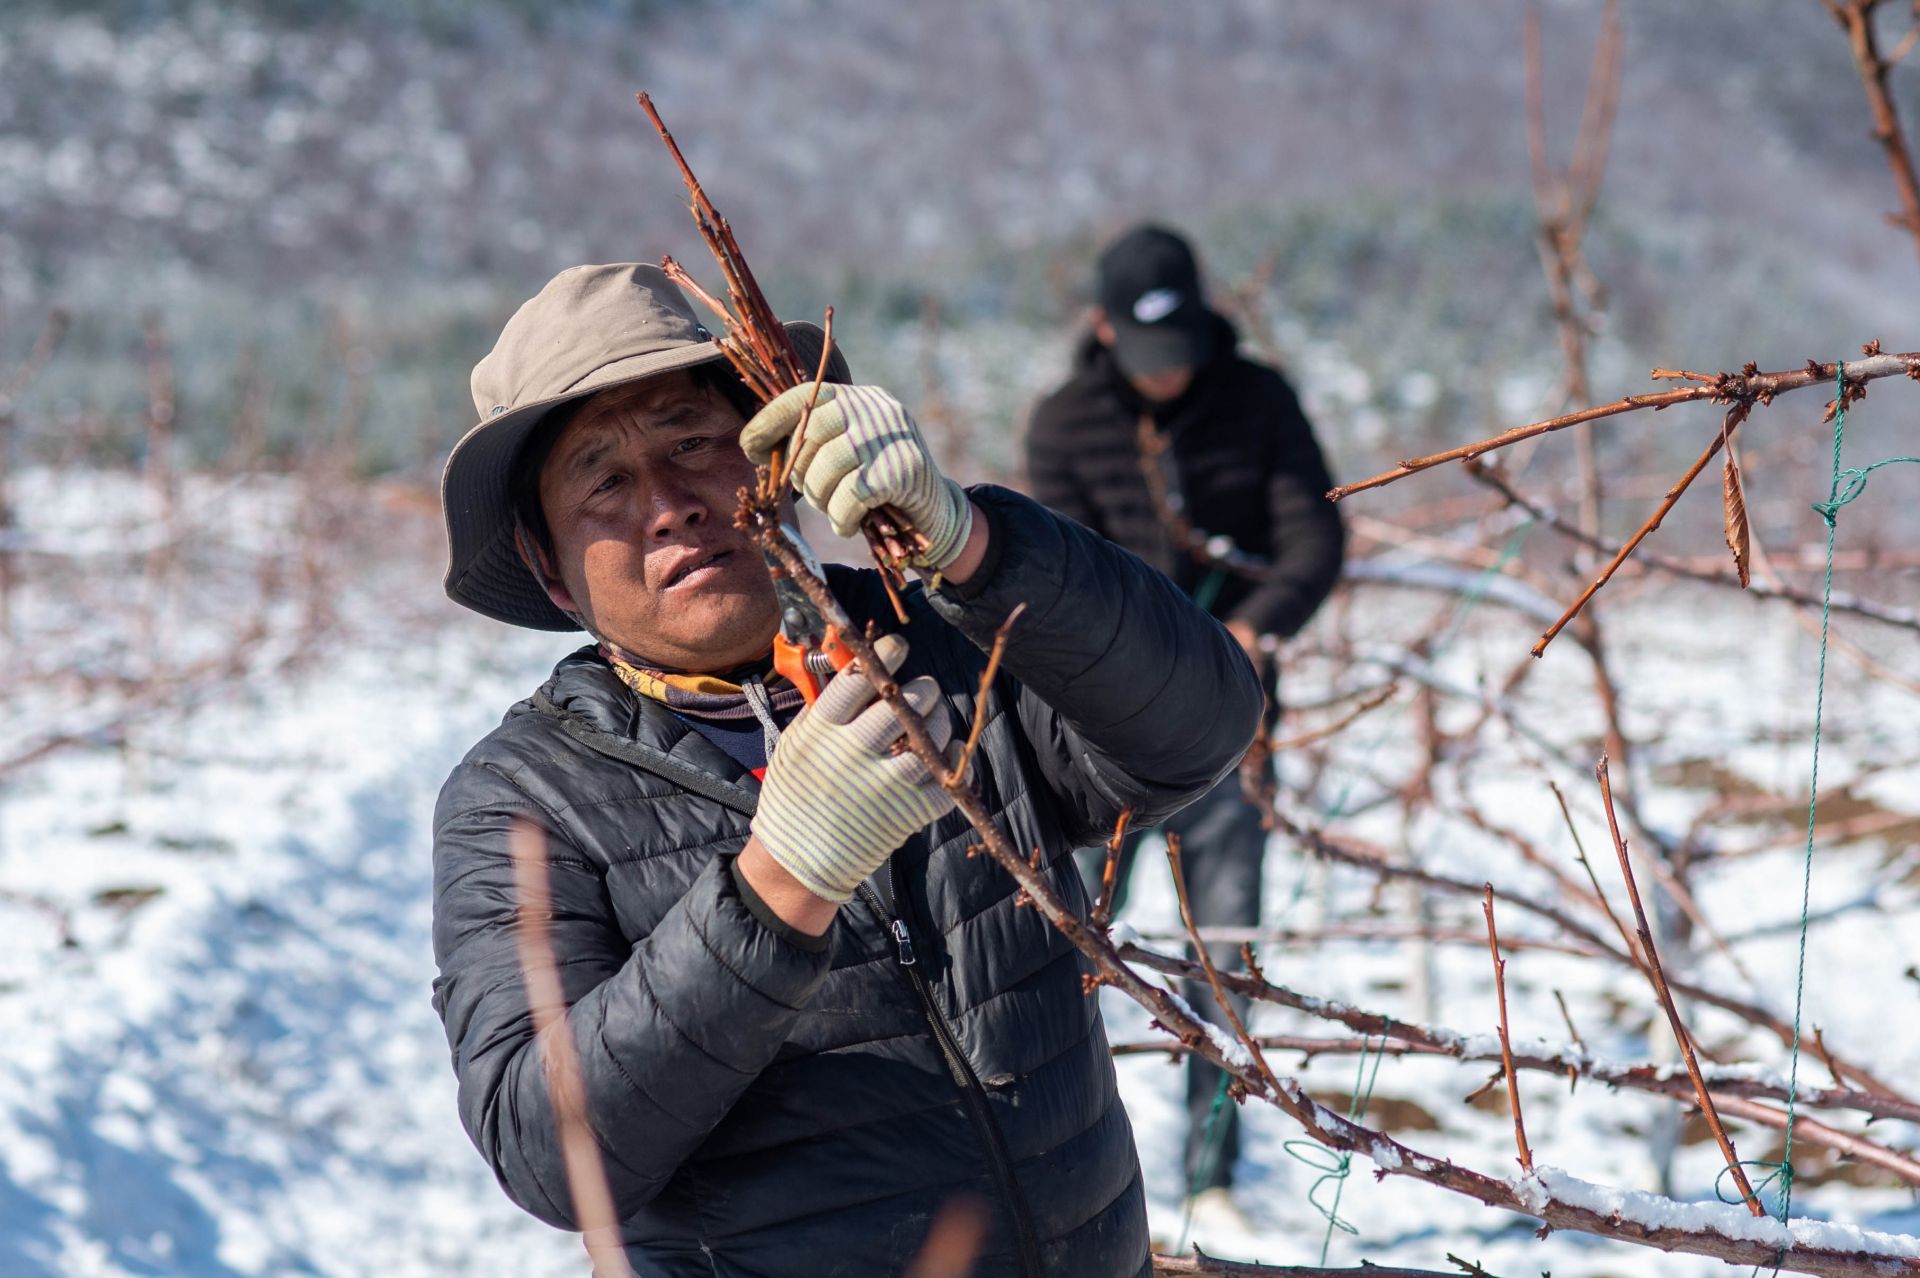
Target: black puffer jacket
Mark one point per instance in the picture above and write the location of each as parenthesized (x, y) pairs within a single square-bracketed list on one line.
[(766, 1108), (1248, 467)]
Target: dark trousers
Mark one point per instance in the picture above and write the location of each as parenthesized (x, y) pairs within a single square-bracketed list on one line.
[(1220, 848)]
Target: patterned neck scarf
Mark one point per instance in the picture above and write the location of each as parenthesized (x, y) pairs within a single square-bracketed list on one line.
[(748, 692), (760, 693)]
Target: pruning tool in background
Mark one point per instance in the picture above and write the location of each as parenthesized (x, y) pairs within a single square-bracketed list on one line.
[(808, 650)]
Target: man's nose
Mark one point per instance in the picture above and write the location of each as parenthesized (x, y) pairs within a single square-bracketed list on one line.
[(673, 506)]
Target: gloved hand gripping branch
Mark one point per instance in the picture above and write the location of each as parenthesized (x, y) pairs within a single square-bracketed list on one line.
[(839, 794), (863, 450)]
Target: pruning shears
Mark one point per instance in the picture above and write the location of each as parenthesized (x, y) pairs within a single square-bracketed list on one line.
[(808, 650)]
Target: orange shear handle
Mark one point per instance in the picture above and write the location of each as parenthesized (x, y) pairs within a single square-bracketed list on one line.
[(790, 660)]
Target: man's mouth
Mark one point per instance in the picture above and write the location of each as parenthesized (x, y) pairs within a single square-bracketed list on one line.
[(695, 565)]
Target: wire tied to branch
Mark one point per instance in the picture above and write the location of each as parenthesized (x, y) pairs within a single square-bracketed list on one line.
[(1780, 1174), (1335, 1168)]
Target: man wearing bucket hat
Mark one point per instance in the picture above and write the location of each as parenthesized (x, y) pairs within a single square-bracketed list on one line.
[(1168, 441), (807, 1020)]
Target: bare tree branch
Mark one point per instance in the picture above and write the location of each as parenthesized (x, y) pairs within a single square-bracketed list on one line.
[(1749, 386), (1856, 18)]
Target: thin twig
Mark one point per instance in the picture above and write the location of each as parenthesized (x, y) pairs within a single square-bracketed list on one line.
[(1899, 52), (1567, 1016), (987, 676), (1573, 1075), (1370, 704), (1506, 1043), (1820, 1045), (1735, 415), (1659, 980), (754, 374), (1594, 140), (52, 333), (760, 329), (1110, 872), (1565, 202), (1206, 963), (783, 474), (1599, 893), (1365, 933), (593, 1207), (58, 915)]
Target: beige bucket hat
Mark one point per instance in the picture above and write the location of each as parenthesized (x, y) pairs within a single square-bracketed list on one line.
[(591, 328)]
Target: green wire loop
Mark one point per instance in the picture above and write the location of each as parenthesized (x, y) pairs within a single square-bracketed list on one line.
[(1856, 484), (1335, 1168), (1781, 1174)]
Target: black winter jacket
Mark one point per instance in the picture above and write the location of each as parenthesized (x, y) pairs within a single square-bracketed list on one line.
[(1248, 468), (766, 1107)]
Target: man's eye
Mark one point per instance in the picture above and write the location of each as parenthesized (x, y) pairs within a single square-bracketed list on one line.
[(607, 483), (690, 443)]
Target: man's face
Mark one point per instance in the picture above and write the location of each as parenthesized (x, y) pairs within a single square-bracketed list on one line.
[(1163, 387), (1156, 388), (639, 494)]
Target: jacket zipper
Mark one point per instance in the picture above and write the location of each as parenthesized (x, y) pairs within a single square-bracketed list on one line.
[(973, 1096)]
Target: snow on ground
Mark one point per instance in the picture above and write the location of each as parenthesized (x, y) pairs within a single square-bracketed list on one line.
[(235, 1069)]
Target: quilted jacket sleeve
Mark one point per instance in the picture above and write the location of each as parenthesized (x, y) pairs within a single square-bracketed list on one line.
[(669, 1032), (1131, 695), (1309, 542)]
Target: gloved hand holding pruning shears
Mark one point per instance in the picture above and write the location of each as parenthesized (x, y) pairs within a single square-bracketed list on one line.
[(839, 794)]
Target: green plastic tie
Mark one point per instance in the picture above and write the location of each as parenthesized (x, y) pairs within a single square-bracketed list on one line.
[(1780, 1174), (1856, 483), (1335, 1168)]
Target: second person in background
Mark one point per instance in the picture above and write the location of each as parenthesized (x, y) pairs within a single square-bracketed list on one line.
[(1168, 441)]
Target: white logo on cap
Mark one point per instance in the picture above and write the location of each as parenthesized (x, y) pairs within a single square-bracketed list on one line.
[(1155, 305)]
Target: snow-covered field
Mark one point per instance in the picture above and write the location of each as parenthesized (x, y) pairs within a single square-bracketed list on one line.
[(234, 1068)]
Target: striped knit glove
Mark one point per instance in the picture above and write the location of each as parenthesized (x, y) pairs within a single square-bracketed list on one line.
[(838, 799), (862, 450)]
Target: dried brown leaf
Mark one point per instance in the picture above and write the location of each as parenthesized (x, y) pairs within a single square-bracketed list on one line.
[(1735, 503)]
